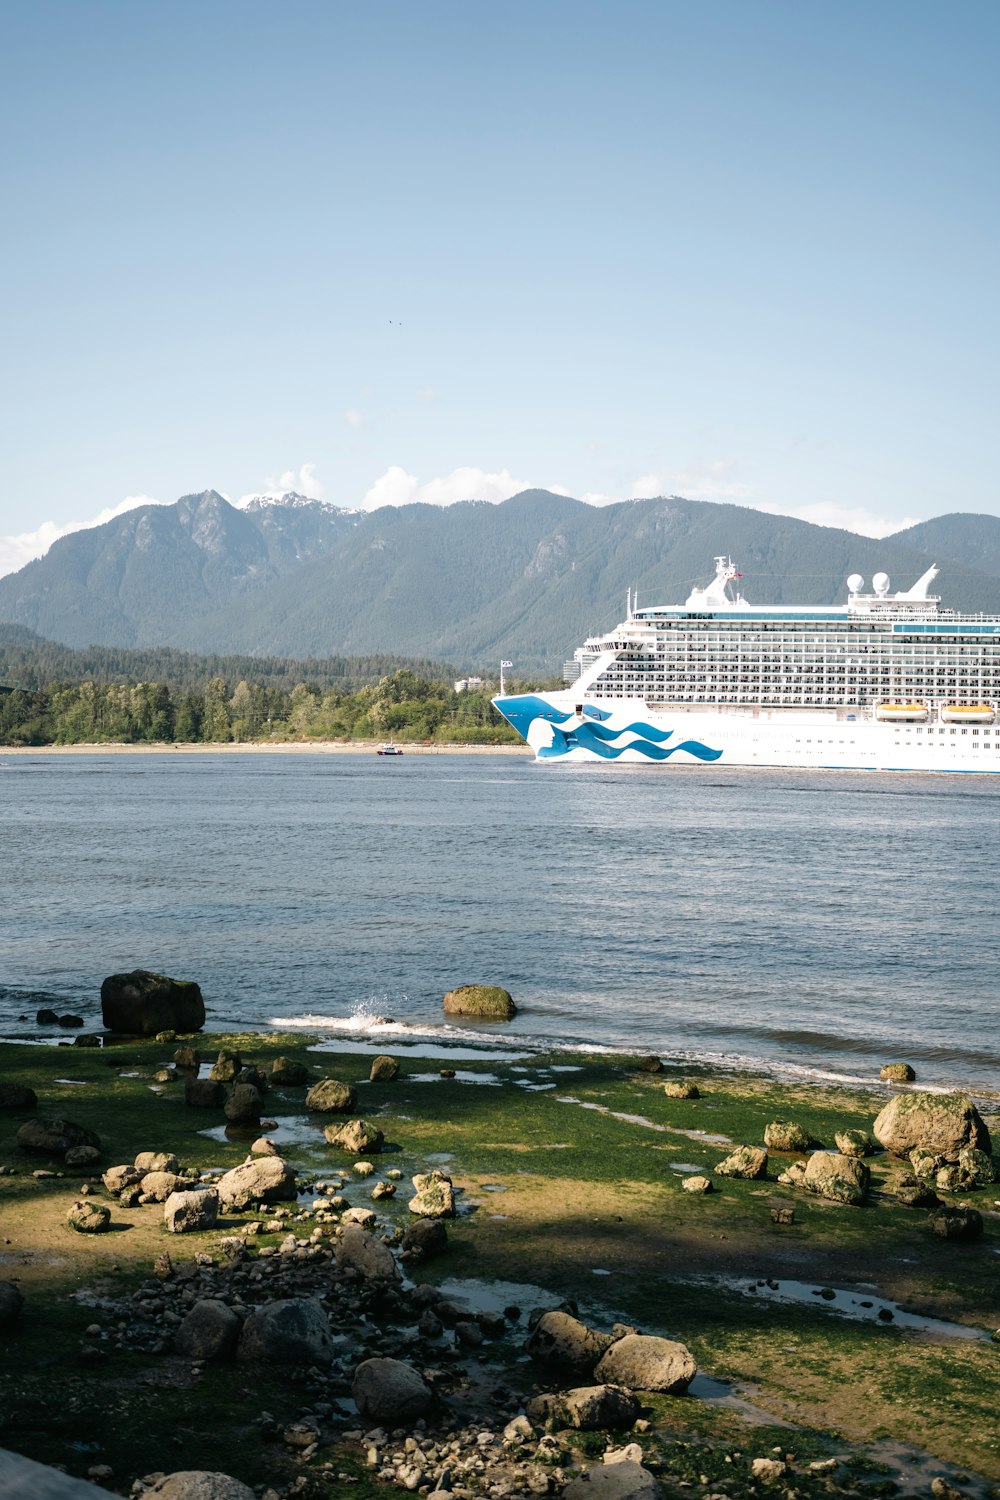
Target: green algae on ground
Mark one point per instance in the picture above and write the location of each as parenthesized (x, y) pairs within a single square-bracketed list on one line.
[(591, 1163)]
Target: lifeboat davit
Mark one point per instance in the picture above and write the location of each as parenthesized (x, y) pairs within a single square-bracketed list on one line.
[(911, 713), (968, 713)]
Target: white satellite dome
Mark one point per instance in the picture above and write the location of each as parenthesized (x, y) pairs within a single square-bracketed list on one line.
[(855, 583), (880, 583)]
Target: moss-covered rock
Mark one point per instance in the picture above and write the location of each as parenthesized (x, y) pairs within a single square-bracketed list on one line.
[(17, 1096), (289, 1074), (331, 1097), (961, 1224), (435, 1196), (142, 1003), (488, 1001), (854, 1142), (384, 1070), (843, 1179), (745, 1161), (54, 1137), (943, 1124), (897, 1072), (682, 1091), (356, 1136), (787, 1135), (87, 1217)]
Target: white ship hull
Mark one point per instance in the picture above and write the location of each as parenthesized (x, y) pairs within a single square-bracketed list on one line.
[(630, 731)]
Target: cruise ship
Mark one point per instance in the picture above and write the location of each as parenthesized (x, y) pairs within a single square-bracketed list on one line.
[(885, 682)]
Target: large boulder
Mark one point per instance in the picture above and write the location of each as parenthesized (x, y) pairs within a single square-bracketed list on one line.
[(17, 1096), (265, 1179), (210, 1331), (957, 1223), (197, 1208), (745, 1161), (853, 1142), (844, 1179), (371, 1256), (641, 1362), (141, 1004), (54, 1137), (944, 1124), (156, 1161), (389, 1393), (331, 1097), (562, 1340), (976, 1169), (292, 1332), (357, 1136), (592, 1407), (488, 1001), (897, 1072), (200, 1484)]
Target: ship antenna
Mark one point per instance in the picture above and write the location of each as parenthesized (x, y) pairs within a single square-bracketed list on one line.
[(628, 602)]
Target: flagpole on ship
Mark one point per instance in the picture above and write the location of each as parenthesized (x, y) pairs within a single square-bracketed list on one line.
[(502, 665)]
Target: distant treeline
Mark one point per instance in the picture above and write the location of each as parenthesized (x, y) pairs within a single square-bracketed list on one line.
[(29, 661), (400, 706)]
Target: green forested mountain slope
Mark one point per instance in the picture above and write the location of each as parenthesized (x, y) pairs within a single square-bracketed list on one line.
[(964, 537), (528, 579)]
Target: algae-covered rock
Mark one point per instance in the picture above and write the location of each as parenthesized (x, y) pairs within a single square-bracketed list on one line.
[(385, 1069), (426, 1238), (435, 1196), (897, 1072), (54, 1137), (650, 1064), (697, 1184), (682, 1091), (745, 1161), (644, 1363), (156, 1161), (87, 1217), (226, 1066), (625, 1480), (142, 1003), (854, 1142), (330, 1096), (844, 1179), (356, 1136), (288, 1074), (977, 1170), (488, 1001), (944, 1124), (204, 1093), (961, 1224), (787, 1135), (925, 1163), (187, 1057), (914, 1194)]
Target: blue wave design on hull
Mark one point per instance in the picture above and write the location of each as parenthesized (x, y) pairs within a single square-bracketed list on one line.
[(590, 738)]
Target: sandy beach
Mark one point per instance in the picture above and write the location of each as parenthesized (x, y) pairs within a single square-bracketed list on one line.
[(263, 747)]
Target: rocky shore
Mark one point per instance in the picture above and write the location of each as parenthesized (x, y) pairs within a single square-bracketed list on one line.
[(315, 1275)]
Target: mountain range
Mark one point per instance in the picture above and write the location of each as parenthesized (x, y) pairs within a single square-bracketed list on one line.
[(527, 579)]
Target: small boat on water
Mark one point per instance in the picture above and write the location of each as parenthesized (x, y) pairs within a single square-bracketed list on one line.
[(388, 749)]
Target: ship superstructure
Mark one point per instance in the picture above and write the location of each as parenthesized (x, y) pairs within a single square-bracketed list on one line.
[(885, 681)]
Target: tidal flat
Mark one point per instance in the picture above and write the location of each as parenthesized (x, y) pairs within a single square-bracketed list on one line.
[(852, 1338)]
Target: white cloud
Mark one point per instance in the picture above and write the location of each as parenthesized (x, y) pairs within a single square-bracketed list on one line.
[(854, 518), (397, 487), (353, 418), (697, 481), (23, 548), (303, 483)]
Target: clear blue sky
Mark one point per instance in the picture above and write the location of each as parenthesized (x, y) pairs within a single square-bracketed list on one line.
[(741, 249)]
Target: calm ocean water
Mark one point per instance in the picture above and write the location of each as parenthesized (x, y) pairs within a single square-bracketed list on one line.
[(813, 922)]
